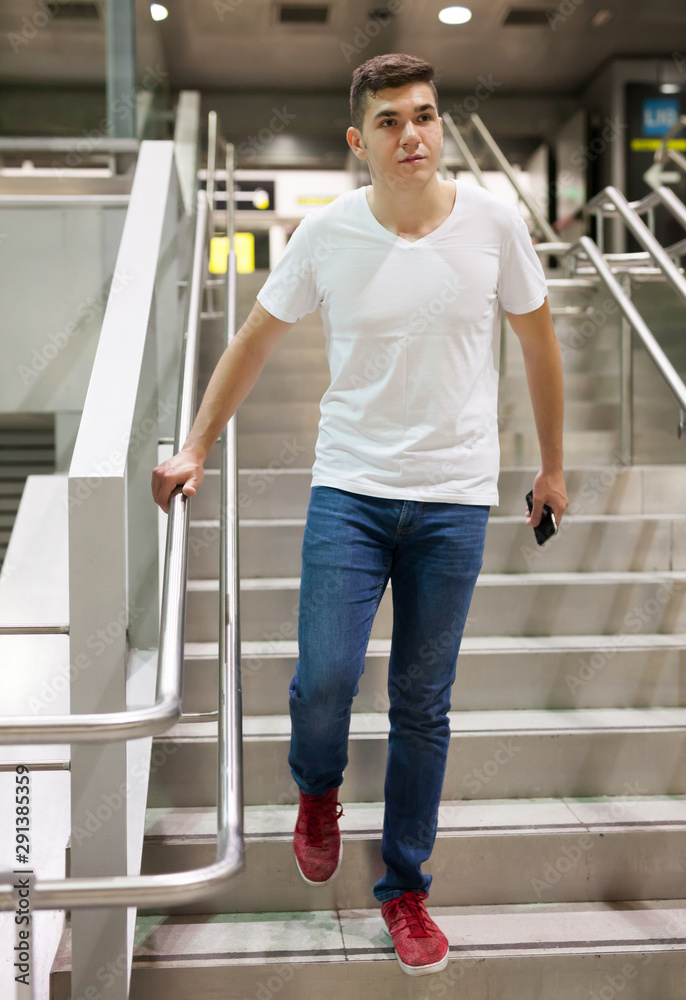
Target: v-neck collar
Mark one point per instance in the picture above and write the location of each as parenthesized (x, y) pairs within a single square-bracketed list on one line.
[(401, 239)]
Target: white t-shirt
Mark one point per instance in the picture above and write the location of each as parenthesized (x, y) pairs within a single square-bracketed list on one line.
[(413, 341)]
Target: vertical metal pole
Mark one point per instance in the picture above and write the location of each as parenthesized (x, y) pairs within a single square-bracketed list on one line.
[(120, 27), (626, 381), (210, 183), (650, 220), (600, 229)]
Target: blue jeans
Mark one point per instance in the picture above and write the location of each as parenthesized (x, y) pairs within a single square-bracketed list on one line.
[(432, 552)]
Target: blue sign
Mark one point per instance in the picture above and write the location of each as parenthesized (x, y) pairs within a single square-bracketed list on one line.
[(659, 114)]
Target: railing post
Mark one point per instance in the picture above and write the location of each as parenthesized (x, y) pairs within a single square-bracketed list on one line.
[(113, 567), (626, 381), (600, 229)]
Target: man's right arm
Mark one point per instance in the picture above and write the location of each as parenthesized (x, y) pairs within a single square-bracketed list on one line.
[(234, 376)]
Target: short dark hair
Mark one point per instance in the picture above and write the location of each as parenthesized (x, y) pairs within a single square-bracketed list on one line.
[(391, 70)]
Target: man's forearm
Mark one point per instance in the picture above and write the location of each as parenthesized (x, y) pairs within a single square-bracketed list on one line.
[(234, 376), (543, 365)]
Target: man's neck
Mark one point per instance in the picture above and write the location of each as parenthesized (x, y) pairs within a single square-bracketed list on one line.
[(413, 211)]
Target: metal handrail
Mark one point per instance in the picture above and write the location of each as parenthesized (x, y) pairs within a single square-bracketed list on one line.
[(587, 246), (185, 887), (642, 233), (158, 718), (632, 316), (544, 226), (48, 144), (229, 728), (464, 149), (663, 153)]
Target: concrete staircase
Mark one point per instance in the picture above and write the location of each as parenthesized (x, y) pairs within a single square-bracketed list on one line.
[(27, 447), (559, 868)]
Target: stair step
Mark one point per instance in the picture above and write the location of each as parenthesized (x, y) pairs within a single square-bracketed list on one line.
[(283, 491), (492, 754), (594, 950), (495, 672), (585, 544), (504, 604), (488, 851)]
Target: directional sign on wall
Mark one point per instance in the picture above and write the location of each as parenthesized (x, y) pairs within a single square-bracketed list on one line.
[(659, 115)]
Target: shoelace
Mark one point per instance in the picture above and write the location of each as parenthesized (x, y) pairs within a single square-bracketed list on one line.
[(318, 819), (409, 909)]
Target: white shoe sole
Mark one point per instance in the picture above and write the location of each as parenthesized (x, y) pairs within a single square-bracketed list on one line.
[(418, 970), (331, 877)]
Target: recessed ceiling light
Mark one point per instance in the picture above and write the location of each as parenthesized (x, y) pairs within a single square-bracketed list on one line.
[(158, 12), (454, 15), (601, 17)]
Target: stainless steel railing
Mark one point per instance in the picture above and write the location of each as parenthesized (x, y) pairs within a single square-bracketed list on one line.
[(632, 321), (188, 886), (609, 202), (537, 215), (619, 207), (663, 154), (158, 718)]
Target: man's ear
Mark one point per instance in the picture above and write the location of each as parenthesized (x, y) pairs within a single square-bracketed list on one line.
[(354, 138)]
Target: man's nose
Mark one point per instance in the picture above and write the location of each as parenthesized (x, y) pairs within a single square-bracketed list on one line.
[(409, 133)]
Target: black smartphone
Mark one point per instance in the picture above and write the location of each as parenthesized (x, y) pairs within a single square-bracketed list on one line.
[(547, 526)]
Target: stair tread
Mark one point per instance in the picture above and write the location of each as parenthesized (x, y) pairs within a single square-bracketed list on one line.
[(485, 645), (497, 721), (358, 935), (485, 579), (465, 817)]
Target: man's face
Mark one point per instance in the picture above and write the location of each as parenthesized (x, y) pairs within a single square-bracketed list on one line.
[(402, 135)]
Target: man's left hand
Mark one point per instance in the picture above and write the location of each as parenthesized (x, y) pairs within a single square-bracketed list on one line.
[(548, 488)]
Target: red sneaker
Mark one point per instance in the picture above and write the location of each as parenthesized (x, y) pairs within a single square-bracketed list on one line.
[(317, 839), (420, 945)]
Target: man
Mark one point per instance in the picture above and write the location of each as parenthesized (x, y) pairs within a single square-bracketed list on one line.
[(409, 274)]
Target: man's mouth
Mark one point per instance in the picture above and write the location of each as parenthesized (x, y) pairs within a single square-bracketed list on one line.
[(411, 159)]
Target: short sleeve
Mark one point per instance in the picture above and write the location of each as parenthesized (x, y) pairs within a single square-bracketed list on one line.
[(290, 291), (522, 285)]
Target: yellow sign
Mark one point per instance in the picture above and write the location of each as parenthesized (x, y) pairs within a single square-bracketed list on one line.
[(648, 144), (316, 199), (244, 245)]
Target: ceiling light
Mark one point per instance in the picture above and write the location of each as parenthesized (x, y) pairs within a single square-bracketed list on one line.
[(601, 17), (158, 12), (454, 15), (669, 88)]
